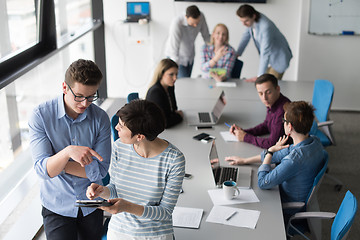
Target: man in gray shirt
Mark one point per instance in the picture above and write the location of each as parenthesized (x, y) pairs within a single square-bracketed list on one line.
[(180, 46)]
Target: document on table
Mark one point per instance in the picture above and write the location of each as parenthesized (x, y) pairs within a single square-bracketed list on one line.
[(242, 217), (228, 137), (246, 196), (226, 84), (187, 217)]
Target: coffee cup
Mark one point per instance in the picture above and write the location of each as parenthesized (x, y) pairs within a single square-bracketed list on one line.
[(230, 189)]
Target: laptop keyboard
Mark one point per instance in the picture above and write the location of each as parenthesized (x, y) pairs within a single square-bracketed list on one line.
[(224, 174), (204, 117)]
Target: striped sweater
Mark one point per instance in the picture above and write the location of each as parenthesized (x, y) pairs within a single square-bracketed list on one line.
[(154, 183)]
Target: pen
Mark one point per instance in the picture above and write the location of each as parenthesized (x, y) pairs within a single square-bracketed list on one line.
[(233, 214), (228, 125)]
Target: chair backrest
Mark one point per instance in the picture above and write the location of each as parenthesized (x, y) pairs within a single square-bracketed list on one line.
[(312, 204), (114, 121), (236, 71), (344, 217), (132, 96), (317, 181), (322, 98)]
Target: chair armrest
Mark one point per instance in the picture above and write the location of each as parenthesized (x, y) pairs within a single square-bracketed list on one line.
[(326, 123), (290, 205), (302, 215), (306, 215)]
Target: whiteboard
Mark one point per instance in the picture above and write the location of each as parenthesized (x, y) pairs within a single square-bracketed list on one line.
[(334, 17)]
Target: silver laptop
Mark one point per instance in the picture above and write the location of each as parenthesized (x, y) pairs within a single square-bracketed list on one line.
[(208, 118), (241, 175)]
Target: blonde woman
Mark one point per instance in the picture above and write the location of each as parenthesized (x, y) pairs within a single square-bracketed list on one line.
[(162, 91), (218, 54)]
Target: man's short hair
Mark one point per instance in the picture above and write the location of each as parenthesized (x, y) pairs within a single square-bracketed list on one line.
[(300, 114), (246, 10), (143, 117), (193, 12), (83, 71), (267, 77)]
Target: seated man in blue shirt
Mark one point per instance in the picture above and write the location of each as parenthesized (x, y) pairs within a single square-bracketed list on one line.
[(71, 148), (297, 164)]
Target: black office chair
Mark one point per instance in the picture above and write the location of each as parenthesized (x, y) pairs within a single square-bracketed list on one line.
[(236, 71)]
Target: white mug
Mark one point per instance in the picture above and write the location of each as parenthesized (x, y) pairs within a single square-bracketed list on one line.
[(230, 189)]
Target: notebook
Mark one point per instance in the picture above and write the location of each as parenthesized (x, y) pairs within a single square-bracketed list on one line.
[(137, 10), (208, 118), (241, 175)]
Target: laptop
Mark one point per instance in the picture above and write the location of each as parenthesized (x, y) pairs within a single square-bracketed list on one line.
[(208, 118), (241, 175), (137, 10)]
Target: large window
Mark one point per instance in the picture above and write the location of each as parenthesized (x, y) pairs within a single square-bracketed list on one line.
[(33, 61), (18, 26)]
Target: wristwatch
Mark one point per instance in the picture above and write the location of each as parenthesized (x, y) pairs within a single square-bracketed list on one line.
[(268, 152)]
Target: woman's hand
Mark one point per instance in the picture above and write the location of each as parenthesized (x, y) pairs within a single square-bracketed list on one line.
[(280, 144), (217, 77), (94, 190), (220, 52), (121, 205)]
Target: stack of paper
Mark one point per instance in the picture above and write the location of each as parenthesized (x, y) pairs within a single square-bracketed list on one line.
[(228, 137), (187, 217), (226, 84), (242, 217)]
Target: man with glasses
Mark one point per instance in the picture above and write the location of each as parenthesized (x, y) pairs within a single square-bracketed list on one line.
[(269, 93), (71, 148)]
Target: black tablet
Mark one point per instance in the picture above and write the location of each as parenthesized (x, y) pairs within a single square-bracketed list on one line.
[(92, 203)]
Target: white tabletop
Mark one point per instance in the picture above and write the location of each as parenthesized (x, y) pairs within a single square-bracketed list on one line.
[(246, 113)]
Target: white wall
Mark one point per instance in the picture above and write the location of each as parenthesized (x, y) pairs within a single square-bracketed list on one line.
[(130, 64), (335, 58)]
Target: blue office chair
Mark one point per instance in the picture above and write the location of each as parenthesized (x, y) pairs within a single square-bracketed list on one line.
[(322, 98), (115, 119), (132, 96), (343, 219), (313, 226), (236, 71)]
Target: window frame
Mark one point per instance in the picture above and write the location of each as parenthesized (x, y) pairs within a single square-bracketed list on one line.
[(19, 64)]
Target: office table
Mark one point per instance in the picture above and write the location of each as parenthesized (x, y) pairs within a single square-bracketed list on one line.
[(200, 88), (247, 113), (245, 109)]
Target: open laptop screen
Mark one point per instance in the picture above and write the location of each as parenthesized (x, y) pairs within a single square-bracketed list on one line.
[(219, 106), (138, 9), (213, 156)]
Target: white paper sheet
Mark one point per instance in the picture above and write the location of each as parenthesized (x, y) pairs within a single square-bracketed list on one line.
[(246, 196), (226, 84), (243, 217), (228, 137), (187, 217)]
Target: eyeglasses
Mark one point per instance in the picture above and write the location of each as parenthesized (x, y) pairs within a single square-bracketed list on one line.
[(285, 121), (82, 98)]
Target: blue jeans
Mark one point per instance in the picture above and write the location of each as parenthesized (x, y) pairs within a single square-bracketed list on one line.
[(185, 71)]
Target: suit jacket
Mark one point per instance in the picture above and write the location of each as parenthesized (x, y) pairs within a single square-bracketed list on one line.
[(273, 48), (167, 103)]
